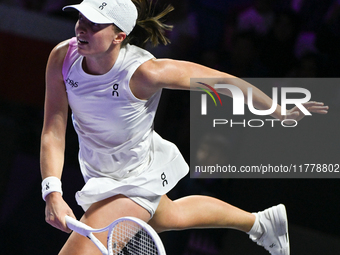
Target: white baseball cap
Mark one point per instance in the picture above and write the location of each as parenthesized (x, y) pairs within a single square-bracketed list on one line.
[(122, 13)]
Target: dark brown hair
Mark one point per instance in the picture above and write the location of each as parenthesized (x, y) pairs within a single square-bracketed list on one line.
[(149, 27)]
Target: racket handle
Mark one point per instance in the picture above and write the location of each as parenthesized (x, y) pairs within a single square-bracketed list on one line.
[(85, 230), (77, 226)]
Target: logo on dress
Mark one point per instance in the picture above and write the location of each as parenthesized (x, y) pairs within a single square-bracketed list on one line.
[(115, 90), (165, 181), (72, 83)]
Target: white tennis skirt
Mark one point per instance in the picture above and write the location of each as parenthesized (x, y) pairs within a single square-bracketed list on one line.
[(166, 169)]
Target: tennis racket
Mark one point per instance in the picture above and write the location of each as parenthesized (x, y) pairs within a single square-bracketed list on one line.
[(126, 236)]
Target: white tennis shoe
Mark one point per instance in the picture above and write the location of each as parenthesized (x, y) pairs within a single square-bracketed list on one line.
[(275, 230)]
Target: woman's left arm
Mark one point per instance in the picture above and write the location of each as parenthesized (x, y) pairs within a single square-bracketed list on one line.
[(165, 73)]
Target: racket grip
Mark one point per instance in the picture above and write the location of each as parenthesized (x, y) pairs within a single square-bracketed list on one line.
[(77, 226)]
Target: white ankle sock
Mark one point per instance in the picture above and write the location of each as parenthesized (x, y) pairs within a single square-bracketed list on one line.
[(256, 231)]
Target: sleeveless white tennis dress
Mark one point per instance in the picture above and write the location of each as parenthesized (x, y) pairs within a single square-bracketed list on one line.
[(119, 152)]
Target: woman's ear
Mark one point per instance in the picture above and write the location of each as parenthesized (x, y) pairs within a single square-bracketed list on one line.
[(120, 37)]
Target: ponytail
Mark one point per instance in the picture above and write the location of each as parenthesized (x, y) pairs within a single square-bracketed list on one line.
[(149, 27)]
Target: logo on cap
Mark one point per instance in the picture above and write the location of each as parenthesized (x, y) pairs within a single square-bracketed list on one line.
[(102, 6)]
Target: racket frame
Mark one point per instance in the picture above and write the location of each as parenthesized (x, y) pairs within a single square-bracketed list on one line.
[(87, 231), (152, 233)]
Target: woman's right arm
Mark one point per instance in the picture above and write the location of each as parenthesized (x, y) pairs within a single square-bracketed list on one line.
[(53, 135)]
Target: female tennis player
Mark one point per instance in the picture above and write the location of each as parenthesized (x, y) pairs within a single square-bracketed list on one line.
[(113, 88)]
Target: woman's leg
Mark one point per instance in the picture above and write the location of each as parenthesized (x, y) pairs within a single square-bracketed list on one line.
[(199, 212), (268, 228), (100, 215)]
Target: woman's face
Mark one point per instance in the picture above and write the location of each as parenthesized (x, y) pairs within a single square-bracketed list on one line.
[(94, 39)]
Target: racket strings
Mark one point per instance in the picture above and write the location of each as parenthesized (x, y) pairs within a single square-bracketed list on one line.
[(128, 238)]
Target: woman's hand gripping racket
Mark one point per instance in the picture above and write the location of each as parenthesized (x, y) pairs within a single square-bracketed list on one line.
[(127, 235)]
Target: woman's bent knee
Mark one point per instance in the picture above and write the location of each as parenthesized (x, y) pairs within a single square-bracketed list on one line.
[(167, 216)]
